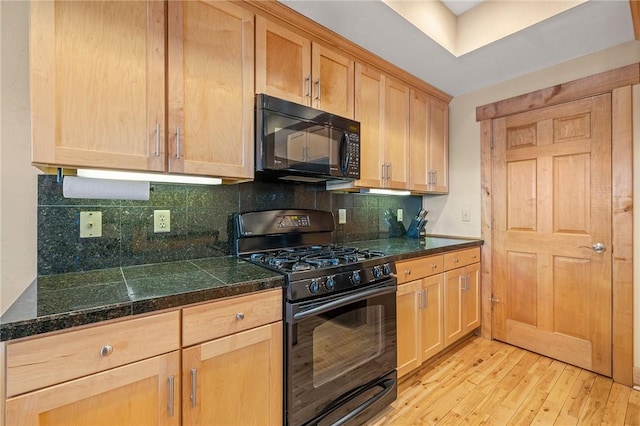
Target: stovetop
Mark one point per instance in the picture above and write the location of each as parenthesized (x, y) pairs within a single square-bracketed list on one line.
[(314, 257)]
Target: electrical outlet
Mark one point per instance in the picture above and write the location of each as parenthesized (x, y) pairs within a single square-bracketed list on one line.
[(466, 215), (161, 221), (400, 215), (342, 216), (90, 224)]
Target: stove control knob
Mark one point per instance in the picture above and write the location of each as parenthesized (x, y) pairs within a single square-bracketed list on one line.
[(314, 287), (386, 269), (377, 272), (355, 277), (330, 284)]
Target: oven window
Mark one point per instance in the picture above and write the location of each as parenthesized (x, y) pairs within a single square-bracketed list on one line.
[(347, 339)]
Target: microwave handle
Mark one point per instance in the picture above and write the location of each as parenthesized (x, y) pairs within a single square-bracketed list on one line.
[(345, 153)]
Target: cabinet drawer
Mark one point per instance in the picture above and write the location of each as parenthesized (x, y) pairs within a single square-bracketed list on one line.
[(44, 361), (415, 269), (460, 258), (205, 322)]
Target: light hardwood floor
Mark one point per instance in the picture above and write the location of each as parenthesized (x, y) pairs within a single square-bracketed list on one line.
[(487, 382)]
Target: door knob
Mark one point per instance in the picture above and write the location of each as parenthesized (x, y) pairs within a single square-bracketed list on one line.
[(597, 247)]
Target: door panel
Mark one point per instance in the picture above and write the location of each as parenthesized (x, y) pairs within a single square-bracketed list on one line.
[(552, 197)]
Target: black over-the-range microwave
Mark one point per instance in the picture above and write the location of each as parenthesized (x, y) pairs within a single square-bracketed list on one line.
[(298, 143)]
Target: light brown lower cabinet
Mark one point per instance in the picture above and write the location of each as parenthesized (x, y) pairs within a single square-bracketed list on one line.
[(142, 393), (227, 370), (419, 309), (461, 302), (437, 303), (234, 380)]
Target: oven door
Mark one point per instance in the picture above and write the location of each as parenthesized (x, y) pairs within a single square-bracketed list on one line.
[(341, 356)]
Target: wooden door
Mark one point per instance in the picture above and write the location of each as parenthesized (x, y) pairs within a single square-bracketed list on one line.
[(135, 394), (438, 154), (211, 89), (369, 111), (332, 81), (397, 101), (97, 84), (283, 63), (552, 202), (235, 380), (408, 322), (432, 339)]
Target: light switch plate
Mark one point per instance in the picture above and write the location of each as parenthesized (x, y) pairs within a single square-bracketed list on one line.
[(161, 221), (400, 215), (342, 216), (466, 215), (90, 224)]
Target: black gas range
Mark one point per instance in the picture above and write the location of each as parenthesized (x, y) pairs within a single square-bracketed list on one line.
[(298, 243), (339, 316)]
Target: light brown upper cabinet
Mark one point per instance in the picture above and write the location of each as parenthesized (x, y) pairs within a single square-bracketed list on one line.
[(97, 84), (382, 108), (370, 112), (396, 135), (429, 137), (211, 89), (291, 67), (98, 76)]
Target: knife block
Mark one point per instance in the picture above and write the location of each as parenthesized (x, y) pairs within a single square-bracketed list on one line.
[(415, 228)]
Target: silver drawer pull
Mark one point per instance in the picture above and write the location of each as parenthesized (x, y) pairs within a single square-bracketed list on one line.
[(239, 316), (106, 350)]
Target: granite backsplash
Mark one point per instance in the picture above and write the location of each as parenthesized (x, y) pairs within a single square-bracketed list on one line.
[(199, 218)]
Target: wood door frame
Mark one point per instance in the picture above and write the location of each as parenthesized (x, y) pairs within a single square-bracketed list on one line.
[(618, 83)]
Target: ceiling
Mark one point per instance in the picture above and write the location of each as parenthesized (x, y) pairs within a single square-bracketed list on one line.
[(584, 27)]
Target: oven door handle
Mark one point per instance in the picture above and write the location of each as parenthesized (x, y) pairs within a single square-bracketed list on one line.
[(298, 316), (387, 386)]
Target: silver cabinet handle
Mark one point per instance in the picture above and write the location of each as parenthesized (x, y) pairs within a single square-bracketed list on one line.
[(597, 247), (425, 298), (177, 142), (308, 84), (194, 385), (389, 171), (170, 402), (384, 174), (435, 177), (106, 350), (157, 139), (318, 92), (434, 267), (239, 316)]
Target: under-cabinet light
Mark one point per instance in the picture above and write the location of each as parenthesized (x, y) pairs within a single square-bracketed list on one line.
[(151, 177), (384, 191)]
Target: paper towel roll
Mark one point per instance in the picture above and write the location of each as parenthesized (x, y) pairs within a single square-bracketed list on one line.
[(104, 189)]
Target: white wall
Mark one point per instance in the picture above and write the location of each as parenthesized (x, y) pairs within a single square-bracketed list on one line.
[(464, 145), (18, 179)]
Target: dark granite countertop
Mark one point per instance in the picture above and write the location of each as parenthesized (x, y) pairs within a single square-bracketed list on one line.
[(57, 302), (409, 248)]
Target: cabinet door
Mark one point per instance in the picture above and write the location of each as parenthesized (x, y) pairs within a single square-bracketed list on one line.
[(97, 84), (397, 102), (235, 380), (211, 81), (453, 323), (332, 81), (471, 298), (432, 339), (369, 111), (283, 63), (135, 394), (408, 327), (419, 136), (439, 147)]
